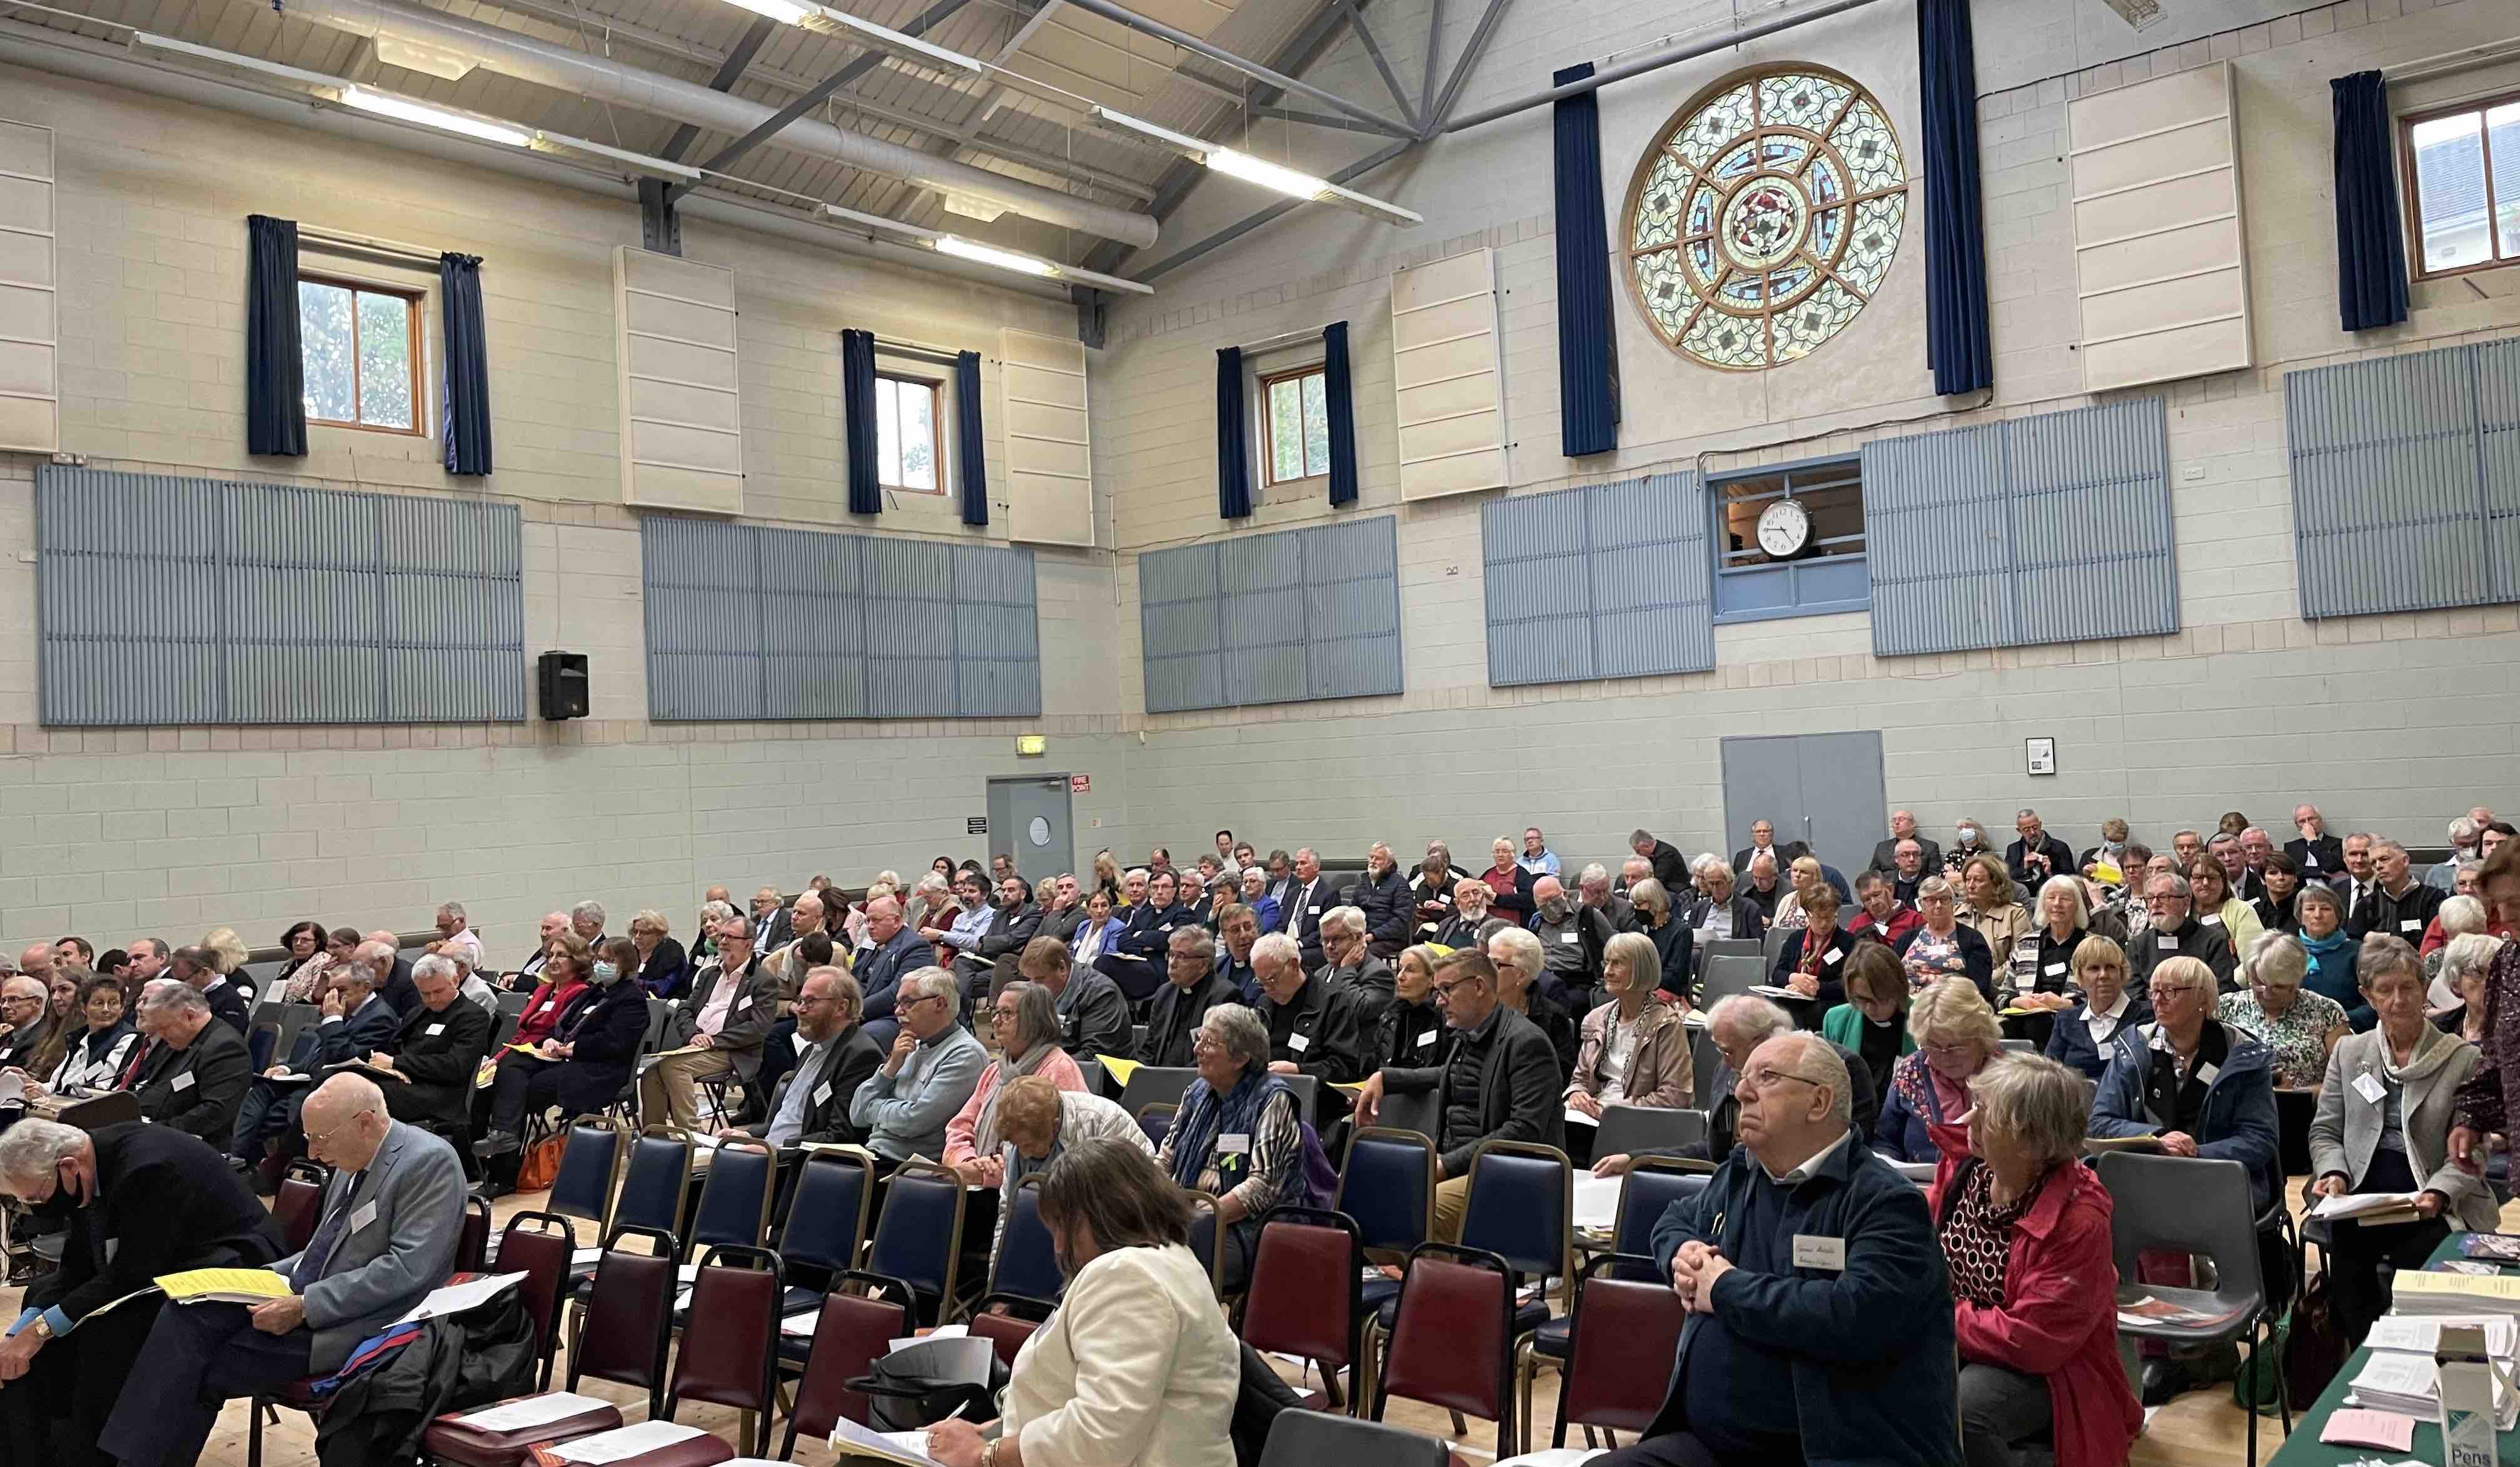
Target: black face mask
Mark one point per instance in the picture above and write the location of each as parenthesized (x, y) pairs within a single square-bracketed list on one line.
[(61, 1205)]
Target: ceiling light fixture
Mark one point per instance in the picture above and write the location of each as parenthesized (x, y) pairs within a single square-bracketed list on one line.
[(403, 109), (784, 12), (1243, 165), (1009, 260), (895, 41)]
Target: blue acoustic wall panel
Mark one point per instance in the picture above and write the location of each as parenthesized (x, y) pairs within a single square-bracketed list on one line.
[(1607, 581), (1287, 617)]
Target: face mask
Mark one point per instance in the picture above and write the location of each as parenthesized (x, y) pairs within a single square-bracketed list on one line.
[(59, 1207), (1554, 908), (1969, 835), (605, 974)]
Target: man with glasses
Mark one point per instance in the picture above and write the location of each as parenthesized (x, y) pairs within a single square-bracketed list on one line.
[(1500, 1084), (934, 1066), (1315, 1027), (163, 1201), (1093, 1017), (719, 1031), (812, 1103), (1192, 986), (2202, 1089), (194, 1077), (2170, 930), (25, 1021), (1820, 1311)]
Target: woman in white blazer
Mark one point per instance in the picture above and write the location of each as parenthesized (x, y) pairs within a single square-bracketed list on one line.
[(1137, 1368), (2383, 1126)]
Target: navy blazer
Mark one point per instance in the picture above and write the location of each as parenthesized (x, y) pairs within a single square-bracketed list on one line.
[(2069, 1040)]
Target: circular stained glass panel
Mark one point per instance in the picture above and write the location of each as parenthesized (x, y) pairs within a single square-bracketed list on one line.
[(1785, 194)]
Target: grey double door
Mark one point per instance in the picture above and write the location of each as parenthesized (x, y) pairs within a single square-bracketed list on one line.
[(1822, 788)]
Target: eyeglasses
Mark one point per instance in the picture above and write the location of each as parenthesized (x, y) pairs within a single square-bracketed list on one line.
[(10, 1002), (1764, 1078), (2161, 991), (1444, 991), (1953, 1050), (313, 1140)]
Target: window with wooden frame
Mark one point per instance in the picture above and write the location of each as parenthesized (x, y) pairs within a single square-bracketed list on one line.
[(2460, 168), (1295, 425), (361, 347), (909, 452)]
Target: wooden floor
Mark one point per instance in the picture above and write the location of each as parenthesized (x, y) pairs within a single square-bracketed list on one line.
[(2202, 1429)]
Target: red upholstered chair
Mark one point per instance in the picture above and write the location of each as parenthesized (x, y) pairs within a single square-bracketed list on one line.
[(298, 1204), (540, 1245), (472, 1244), (1625, 1333), (729, 1355), (449, 1443), (698, 1450), (1452, 1339), (1005, 1331), (854, 1329), (1305, 1297), (627, 1318)]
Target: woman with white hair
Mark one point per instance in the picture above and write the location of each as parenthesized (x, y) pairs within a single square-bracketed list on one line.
[(1634, 1049), (1237, 1136), (2465, 964), (2458, 917), (2298, 1026)]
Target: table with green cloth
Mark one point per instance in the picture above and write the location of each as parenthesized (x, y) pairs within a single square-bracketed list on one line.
[(2304, 1448)]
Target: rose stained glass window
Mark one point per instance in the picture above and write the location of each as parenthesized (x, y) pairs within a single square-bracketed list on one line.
[(1765, 217)]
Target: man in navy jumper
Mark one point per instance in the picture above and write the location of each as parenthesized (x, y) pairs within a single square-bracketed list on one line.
[(1819, 1307)]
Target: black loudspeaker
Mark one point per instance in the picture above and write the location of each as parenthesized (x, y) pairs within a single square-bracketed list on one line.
[(560, 678)]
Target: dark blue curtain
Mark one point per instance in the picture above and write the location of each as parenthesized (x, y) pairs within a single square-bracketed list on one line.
[(2371, 249), (857, 402), (275, 374), (468, 365), (968, 446), (1233, 438), (1587, 346), (1956, 339), (1340, 396)]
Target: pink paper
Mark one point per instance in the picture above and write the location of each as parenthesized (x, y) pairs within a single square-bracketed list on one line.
[(2386, 1430)]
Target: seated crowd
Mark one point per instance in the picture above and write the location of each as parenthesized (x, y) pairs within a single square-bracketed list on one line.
[(1977, 1015)]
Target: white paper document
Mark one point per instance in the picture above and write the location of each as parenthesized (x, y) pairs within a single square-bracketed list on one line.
[(2363, 1204), (1576, 1117), (801, 1326), (1596, 1200), (940, 1332), (455, 1299), (851, 1439), (627, 1441), (532, 1411)]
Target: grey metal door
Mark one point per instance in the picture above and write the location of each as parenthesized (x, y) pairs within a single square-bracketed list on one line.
[(1028, 820), (1823, 788)]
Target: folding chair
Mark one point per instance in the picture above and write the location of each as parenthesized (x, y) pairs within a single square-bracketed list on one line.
[(729, 1355), (827, 1213), (623, 1328), (851, 1331), (1622, 1336), (919, 1236), (543, 1255), (1306, 1297), (1452, 1337)]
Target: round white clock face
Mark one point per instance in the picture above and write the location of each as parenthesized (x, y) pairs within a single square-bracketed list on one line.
[(1784, 528)]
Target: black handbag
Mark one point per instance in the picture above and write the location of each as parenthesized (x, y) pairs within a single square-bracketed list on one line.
[(923, 1384)]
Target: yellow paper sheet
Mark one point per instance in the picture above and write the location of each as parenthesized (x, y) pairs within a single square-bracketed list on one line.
[(1120, 1069), (231, 1284)]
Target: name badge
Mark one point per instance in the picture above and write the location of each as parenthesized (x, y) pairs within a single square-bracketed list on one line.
[(1314, 908), (1570, 937), (743, 1004), (1427, 1039), (434, 1030), (2166, 944), (823, 1093), (183, 1081), (2412, 924), (112, 1246), (1233, 1143), (1298, 1043), (2210, 919), (1812, 1251), (1829, 956), (2023, 983), (2369, 1088), (2055, 970), (365, 1215), (2205, 1073)]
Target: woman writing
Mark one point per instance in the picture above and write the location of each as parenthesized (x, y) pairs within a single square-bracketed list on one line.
[(2025, 1232), (1137, 1368), (2383, 1126), (1106, 877), (1989, 908), (2082, 1039), (1634, 1049), (1941, 947), (1025, 1021), (1674, 945), (1237, 1138), (2331, 952), (1957, 1037), (1813, 960), (1873, 1020), (2298, 1028)]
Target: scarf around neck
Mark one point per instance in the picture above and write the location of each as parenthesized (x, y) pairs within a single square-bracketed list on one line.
[(984, 1131)]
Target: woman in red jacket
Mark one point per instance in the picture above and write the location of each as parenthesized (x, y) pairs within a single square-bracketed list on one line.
[(563, 975), (2025, 1231)]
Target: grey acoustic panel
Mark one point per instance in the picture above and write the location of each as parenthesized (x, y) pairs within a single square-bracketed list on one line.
[(755, 624), (1287, 617), (2406, 480), (2052, 528), (168, 601), (1607, 581)]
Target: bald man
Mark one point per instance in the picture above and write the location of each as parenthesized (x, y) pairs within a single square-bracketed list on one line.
[(385, 1238)]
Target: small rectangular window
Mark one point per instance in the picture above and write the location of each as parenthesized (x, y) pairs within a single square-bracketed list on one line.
[(1297, 424), (1789, 542), (2462, 181), (360, 346), (904, 437)]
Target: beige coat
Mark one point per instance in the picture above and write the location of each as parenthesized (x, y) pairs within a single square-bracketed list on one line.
[(1660, 1073), (1136, 1369)]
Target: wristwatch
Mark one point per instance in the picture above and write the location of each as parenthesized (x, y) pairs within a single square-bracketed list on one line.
[(40, 1327)]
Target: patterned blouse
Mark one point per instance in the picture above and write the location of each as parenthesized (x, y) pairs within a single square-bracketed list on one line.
[(2298, 1036), (1977, 1237), (1930, 958)]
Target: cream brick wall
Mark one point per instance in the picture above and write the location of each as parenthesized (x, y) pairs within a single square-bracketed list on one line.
[(166, 832), (2249, 708)]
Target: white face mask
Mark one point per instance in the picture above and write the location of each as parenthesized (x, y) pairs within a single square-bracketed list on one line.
[(1969, 835)]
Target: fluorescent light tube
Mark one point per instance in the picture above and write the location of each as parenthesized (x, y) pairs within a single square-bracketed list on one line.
[(150, 40), (986, 255), (894, 41), (782, 11), (1243, 165), (387, 105), (990, 254), (560, 142)]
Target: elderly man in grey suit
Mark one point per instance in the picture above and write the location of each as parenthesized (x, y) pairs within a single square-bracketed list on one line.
[(385, 1238)]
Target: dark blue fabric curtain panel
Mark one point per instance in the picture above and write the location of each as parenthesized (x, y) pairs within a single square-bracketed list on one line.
[(969, 448), (468, 365), (857, 402), (1339, 395), (1587, 346), (275, 375), (2370, 246), (1233, 438), (1955, 337)]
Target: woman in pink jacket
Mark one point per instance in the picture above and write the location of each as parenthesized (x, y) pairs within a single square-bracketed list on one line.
[(1027, 1020), (2025, 1232)]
